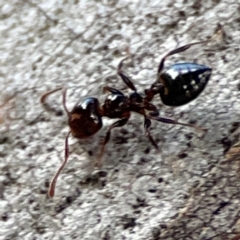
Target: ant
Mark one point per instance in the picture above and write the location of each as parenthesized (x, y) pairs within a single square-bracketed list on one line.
[(177, 85)]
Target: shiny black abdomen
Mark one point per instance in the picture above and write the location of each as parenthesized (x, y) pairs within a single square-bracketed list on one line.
[(183, 82)]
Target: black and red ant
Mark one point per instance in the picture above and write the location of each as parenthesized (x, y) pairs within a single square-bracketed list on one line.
[(177, 85)]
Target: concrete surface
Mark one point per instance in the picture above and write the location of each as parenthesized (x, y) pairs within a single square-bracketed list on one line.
[(184, 192)]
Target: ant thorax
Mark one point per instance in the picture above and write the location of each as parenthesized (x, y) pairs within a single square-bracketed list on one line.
[(115, 105)]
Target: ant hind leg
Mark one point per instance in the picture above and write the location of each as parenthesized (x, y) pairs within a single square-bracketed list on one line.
[(171, 121)]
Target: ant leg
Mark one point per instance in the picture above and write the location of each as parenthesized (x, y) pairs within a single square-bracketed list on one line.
[(177, 50), (125, 78), (52, 186), (119, 123), (112, 90), (170, 121), (45, 95), (147, 125), (153, 111)]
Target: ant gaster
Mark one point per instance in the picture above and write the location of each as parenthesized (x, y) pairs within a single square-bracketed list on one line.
[(177, 85)]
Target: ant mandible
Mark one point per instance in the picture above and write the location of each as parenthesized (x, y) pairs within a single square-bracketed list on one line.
[(178, 85)]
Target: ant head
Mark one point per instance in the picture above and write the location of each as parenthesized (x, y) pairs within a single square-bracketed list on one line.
[(86, 118), (88, 104)]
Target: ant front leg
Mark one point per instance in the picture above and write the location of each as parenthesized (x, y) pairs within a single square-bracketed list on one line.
[(125, 78), (52, 186), (177, 50), (119, 123)]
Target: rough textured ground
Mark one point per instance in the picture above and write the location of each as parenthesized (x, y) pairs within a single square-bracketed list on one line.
[(188, 191)]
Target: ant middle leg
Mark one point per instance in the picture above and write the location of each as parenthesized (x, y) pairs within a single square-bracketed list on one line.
[(124, 77), (119, 123), (112, 90), (147, 125), (147, 122)]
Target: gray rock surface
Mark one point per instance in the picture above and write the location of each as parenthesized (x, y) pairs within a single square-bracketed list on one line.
[(185, 191)]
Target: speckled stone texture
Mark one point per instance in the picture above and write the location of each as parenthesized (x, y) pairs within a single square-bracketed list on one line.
[(188, 190)]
